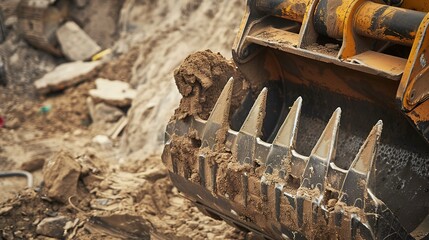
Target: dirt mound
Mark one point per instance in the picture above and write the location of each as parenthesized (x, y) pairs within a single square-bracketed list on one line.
[(200, 80)]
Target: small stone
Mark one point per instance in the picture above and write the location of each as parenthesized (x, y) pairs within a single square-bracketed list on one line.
[(154, 174), (33, 164), (18, 234), (106, 113), (36, 222), (51, 213), (332, 46), (193, 225), (75, 43), (61, 174), (331, 202), (116, 93), (5, 210), (66, 75), (52, 227), (103, 141), (177, 201), (12, 123), (77, 132), (211, 235)]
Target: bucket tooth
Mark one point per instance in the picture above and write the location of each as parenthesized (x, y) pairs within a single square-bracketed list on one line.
[(218, 117), (355, 184), (317, 165), (287, 134), (253, 124), (244, 146), (280, 151)]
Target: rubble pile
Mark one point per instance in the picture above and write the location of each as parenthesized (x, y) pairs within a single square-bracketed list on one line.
[(83, 110)]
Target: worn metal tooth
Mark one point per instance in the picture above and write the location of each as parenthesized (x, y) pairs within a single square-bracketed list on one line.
[(244, 146), (219, 116), (286, 136), (285, 139), (324, 151), (354, 187), (253, 123)]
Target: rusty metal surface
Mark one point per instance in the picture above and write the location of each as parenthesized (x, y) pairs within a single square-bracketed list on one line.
[(388, 23), (354, 30), (408, 4), (289, 9)]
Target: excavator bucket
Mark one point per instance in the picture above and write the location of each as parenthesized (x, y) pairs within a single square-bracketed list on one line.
[(332, 140)]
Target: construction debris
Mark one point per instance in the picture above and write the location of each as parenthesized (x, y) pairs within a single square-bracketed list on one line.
[(119, 126), (75, 43), (52, 227), (121, 226), (61, 175), (116, 93), (66, 75), (18, 173)]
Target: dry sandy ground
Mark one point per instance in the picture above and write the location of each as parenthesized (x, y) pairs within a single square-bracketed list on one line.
[(124, 179)]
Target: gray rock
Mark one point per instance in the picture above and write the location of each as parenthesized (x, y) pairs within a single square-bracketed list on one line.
[(52, 227), (75, 43), (106, 113), (66, 75)]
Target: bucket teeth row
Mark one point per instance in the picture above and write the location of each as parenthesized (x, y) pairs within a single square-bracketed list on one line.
[(318, 163), (312, 190)]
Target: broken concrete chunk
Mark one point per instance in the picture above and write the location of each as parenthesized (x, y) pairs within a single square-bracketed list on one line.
[(61, 174), (116, 93), (75, 43), (66, 75), (52, 227)]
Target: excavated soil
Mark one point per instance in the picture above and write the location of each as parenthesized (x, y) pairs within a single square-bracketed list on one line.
[(200, 80)]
